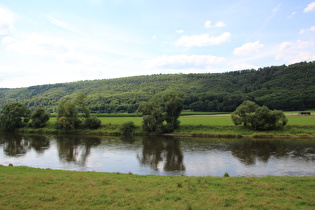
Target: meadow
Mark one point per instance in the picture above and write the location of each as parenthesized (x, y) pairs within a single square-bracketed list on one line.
[(198, 124), (30, 188)]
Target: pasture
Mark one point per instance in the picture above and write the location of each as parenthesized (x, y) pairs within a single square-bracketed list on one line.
[(30, 188)]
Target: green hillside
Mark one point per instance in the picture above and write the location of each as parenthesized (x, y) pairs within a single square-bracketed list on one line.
[(279, 87)]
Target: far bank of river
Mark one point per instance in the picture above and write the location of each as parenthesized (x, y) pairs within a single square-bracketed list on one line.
[(216, 131)]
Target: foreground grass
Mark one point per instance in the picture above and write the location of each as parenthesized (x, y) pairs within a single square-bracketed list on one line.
[(29, 188)]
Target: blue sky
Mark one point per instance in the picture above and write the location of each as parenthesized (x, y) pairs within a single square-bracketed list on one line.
[(53, 41)]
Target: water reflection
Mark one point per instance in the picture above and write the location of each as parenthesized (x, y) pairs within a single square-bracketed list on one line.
[(158, 150), (161, 155), (75, 148), (251, 151), (19, 145)]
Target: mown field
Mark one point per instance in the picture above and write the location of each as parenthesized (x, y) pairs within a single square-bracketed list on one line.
[(201, 124), (29, 188)]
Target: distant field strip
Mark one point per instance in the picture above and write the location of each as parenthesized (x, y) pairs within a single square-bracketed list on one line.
[(224, 120)]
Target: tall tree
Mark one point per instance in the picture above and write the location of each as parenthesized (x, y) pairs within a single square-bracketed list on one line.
[(152, 116), (159, 109), (173, 106), (14, 115)]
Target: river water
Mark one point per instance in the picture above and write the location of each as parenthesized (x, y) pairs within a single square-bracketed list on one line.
[(161, 155)]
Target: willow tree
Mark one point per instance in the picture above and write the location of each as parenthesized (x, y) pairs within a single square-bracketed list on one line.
[(159, 109), (14, 115)]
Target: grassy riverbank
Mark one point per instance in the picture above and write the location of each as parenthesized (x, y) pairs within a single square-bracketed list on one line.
[(29, 188), (197, 125)]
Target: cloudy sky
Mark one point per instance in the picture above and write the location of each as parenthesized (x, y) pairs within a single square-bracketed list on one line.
[(52, 41)]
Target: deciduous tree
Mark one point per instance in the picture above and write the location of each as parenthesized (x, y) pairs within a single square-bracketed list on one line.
[(39, 118), (258, 118), (14, 115)]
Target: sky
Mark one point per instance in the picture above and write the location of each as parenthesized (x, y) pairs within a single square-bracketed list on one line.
[(56, 41)]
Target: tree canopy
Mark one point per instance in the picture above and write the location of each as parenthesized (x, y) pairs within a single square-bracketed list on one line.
[(14, 115), (277, 87), (250, 114), (160, 108)]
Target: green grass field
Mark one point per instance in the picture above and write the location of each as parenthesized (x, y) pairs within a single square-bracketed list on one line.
[(199, 120), (205, 125), (29, 188)]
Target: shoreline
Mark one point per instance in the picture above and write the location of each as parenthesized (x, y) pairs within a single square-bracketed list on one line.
[(200, 135)]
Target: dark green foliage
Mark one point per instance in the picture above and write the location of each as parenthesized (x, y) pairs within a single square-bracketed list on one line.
[(152, 116), (39, 118), (67, 115), (243, 113), (14, 115), (81, 102), (92, 122), (259, 118), (160, 108), (74, 114), (128, 128), (173, 106), (277, 87), (266, 119)]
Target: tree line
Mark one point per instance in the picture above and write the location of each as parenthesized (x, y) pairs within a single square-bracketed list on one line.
[(160, 115), (278, 87)]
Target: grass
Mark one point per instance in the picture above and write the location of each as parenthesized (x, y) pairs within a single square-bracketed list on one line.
[(199, 125), (29, 188)]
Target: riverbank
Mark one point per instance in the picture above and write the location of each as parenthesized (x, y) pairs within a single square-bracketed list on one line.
[(215, 131), (30, 188), (194, 125)]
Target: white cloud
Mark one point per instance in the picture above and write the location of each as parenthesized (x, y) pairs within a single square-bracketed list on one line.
[(60, 49), (208, 24), (180, 31), (184, 61), (6, 21), (220, 24), (7, 40), (202, 40), (303, 31), (243, 66), (310, 7), (248, 48), (36, 44), (293, 52)]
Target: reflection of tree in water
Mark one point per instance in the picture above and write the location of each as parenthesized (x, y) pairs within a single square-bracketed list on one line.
[(17, 145), (155, 148), (75, 149), (128, 139), (250, 150)]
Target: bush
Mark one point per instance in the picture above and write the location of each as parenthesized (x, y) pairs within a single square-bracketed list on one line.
[(127, 128), (259, 118), (39, 118), (92, 123)]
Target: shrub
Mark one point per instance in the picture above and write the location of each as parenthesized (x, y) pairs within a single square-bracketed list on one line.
[(39, 118), (92, 123), (127, 128), (259, 118)]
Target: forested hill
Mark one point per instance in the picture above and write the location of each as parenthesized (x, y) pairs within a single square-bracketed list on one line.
[(278, 87)]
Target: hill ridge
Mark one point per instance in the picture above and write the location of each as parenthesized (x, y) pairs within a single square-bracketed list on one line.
[(279, 87)]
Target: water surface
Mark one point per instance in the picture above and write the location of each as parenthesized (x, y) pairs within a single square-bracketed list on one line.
[(161, 155)]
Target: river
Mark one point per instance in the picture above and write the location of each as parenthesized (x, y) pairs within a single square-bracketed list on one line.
[(161, 155)]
